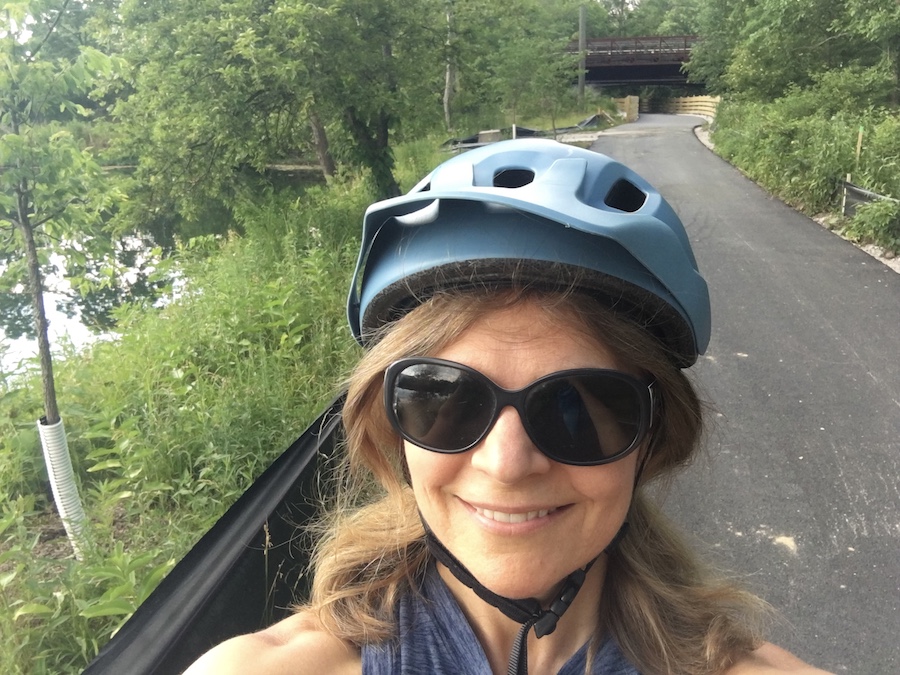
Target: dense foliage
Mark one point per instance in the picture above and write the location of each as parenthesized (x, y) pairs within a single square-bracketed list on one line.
[(806, 85), (200, 168)]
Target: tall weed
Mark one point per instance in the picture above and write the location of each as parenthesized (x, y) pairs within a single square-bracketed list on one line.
[(876, 222), (799, 158), (879, 168)]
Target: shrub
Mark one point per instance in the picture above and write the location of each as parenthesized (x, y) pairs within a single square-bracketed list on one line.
[(879, 168), (877, 222), (803, 144)]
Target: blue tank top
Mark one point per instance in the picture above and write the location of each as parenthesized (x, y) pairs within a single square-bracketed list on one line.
[(434, 638)]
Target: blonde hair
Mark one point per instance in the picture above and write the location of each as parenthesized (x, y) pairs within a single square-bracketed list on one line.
[(667, 612)]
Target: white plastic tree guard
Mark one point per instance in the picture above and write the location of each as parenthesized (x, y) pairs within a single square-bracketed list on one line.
[(63, 485)]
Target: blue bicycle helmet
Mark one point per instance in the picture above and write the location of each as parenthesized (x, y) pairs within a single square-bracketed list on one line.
[(533, 211)]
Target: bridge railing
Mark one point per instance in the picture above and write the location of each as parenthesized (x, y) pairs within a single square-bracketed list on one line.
[(644, 44), (636, 50)]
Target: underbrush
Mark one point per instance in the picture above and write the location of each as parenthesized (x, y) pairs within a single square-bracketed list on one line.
[(801, 146)]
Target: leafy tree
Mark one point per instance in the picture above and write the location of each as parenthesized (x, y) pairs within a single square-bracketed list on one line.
[(53, 193), (378, 66), (879, 24), (516, 61), (475, 33), (719, 23), (223, 90), (215, 101), (664, 17), (646, 17), (787, 43), (505, 55), (534, 74), (619, 13), (761, 50)]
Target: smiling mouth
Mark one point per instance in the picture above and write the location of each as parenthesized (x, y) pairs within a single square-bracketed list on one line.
[(502, 517)]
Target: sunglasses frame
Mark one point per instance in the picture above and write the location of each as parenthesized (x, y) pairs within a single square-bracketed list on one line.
[(516, 398)]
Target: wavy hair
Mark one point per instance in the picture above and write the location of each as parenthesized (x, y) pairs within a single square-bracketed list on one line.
[(667, 611)]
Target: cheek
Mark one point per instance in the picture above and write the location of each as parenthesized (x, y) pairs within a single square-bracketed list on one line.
[(429, 472), (609, 484)]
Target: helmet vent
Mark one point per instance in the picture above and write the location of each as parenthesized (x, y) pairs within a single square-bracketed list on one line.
[(513, 178), (625, 196)]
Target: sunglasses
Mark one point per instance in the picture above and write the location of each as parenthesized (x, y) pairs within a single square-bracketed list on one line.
[(586, 417)]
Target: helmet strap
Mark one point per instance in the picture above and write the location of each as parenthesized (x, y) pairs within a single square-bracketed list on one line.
[(642, 465), (527, 611)]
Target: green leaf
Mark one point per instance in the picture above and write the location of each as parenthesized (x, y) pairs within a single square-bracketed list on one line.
[(32, 609), (107, 464), (114, 607), (7, 579)]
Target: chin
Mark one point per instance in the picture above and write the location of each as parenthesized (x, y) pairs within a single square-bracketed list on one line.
[(525, 583)]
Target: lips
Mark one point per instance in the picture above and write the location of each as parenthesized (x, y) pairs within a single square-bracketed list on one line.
[(503, 517)]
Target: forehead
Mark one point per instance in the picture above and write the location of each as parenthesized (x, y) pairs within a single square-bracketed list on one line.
[(529, 339)]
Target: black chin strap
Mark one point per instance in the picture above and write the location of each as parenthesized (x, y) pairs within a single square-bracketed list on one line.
[(527, 611)]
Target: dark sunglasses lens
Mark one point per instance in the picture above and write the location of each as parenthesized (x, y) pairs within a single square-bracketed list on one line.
[(584, 419), (441, 407)]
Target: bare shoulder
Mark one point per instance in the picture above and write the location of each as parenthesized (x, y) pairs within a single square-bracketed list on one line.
[(296, 645), (772, 660)]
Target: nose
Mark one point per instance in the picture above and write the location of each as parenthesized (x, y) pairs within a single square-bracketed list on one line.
[(507, 453)]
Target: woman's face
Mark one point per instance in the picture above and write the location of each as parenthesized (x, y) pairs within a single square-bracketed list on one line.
[(519, 521)]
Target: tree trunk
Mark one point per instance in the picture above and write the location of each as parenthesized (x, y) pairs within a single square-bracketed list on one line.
[(450, 74), (36, 287), (35, 282), (320, 140), (374, 151), (449, 85)]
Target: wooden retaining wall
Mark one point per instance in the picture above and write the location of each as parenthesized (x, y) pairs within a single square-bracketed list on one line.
[(692, 105), (628, 107)]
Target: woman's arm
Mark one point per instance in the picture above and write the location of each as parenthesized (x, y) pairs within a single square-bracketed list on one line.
[(772, 660), (293, 646)]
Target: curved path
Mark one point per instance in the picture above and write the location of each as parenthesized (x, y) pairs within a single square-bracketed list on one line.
[(800, 492)]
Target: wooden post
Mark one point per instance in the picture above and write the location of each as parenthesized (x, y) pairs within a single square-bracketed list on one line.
[(858, 149)]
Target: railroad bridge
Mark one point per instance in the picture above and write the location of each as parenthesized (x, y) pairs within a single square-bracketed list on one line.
[(653, 59)]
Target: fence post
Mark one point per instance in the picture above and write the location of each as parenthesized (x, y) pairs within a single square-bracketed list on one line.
[(858, 150)]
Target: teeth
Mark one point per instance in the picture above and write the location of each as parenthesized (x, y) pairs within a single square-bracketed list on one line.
[(502, 517)]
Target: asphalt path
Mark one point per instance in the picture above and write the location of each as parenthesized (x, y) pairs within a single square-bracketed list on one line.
[(799, 491)]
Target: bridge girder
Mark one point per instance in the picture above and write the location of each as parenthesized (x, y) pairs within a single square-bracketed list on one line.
[(653, 59)]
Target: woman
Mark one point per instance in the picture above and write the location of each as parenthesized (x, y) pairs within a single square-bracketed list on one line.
[(527, 311)]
